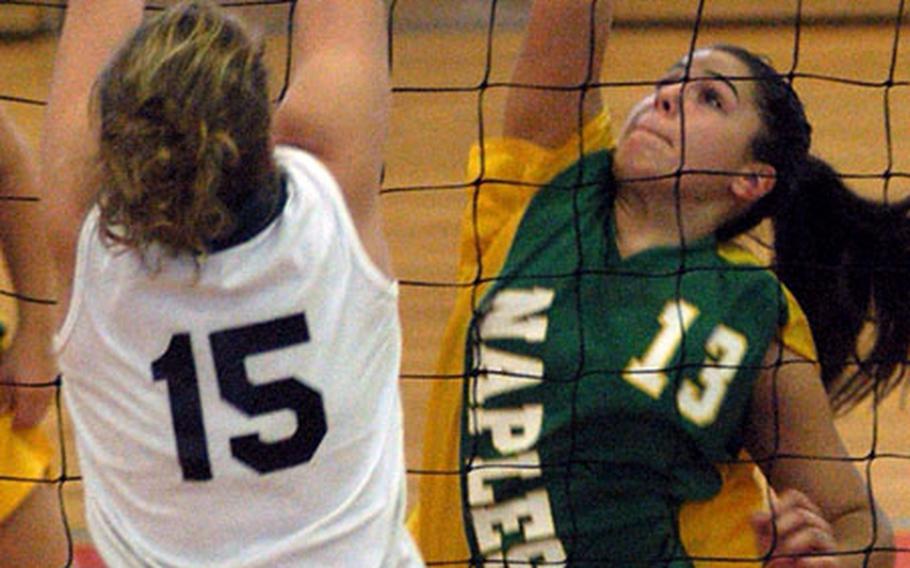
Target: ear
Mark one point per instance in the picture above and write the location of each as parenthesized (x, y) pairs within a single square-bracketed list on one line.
[(756, 179)]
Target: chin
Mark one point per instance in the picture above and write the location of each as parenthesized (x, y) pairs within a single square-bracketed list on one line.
[(642, 169), (644, 158)]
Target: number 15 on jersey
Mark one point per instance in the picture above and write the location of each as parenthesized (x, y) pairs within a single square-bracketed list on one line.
[(230, 348)]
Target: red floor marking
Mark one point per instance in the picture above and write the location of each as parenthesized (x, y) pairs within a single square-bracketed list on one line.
[(903, 542), (84, 556)]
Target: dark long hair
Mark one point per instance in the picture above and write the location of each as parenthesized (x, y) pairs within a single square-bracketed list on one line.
[(846, 259)]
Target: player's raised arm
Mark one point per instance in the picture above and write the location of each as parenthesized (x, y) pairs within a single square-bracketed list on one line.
[(562, 53), (337, 103), (92, 31)]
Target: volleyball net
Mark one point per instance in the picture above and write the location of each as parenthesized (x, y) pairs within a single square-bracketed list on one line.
[(451, 62)]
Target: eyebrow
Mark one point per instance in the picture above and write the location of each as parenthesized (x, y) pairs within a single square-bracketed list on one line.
[(713, 74)]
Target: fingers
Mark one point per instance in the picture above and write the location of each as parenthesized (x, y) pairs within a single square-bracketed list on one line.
[(794, 532), (792, 498)]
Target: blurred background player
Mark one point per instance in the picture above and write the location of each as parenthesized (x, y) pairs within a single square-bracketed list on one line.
[(31, 519), (231, 343)]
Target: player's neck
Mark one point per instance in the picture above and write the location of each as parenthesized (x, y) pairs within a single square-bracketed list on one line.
[(643, 224)]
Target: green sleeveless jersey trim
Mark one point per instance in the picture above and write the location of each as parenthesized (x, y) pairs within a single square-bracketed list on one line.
[(602, 391)]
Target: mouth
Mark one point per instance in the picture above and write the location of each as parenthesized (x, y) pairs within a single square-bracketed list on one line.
[(652, 132)]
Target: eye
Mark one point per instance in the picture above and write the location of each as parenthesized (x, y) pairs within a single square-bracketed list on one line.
[(711, 96)]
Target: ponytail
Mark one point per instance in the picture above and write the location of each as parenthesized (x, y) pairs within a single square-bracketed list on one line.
[(846, 260)]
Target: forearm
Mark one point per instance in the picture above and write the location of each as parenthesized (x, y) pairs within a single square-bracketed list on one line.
[(349, 25), (563, 50), (855, 532), (339, 83), (28, 359), (22, 233), (92, 31), (28, 258)]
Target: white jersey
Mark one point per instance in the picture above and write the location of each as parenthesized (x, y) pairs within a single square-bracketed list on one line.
[(244, 412)]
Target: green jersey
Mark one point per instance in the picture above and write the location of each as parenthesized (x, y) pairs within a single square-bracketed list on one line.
[(602, 391)]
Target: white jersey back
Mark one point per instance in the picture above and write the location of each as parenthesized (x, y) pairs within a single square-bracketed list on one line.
[(244, 412)]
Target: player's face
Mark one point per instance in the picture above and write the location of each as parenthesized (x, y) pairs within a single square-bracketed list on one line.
[(704, 124)]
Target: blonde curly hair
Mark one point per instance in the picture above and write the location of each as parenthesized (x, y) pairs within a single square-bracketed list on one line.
[(184, 130)]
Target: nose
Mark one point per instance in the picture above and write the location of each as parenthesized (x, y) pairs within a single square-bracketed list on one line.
[(668, 98)]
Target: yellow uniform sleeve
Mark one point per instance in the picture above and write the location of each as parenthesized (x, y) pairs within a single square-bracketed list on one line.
[(506, 174), (24, 456)]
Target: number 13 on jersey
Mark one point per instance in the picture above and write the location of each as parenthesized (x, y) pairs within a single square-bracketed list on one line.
[(725, 348), (229, 349)]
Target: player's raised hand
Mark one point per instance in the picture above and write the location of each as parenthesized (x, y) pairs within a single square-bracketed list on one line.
[(795, 534)]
